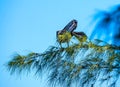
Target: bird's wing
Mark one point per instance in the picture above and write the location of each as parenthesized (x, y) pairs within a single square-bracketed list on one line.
[(71, 26)]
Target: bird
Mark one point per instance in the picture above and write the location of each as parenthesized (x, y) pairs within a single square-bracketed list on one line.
[(81, 36), (64, 35)]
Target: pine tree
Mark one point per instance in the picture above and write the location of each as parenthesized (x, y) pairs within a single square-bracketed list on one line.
[(84, 62)]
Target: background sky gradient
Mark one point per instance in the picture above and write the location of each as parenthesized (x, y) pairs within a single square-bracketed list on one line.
[(31, 25)]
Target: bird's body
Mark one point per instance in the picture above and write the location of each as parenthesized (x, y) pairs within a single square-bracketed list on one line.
[(64, 37)]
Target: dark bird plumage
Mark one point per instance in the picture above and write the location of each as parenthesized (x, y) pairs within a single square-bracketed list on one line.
[(71, 26)]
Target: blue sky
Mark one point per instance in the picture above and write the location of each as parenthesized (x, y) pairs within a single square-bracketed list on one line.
[(31, 25)]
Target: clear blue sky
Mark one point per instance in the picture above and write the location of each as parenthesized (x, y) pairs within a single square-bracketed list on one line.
[(31, 25)]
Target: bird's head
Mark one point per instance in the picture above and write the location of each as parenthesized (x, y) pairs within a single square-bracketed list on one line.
[(81, 36)]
